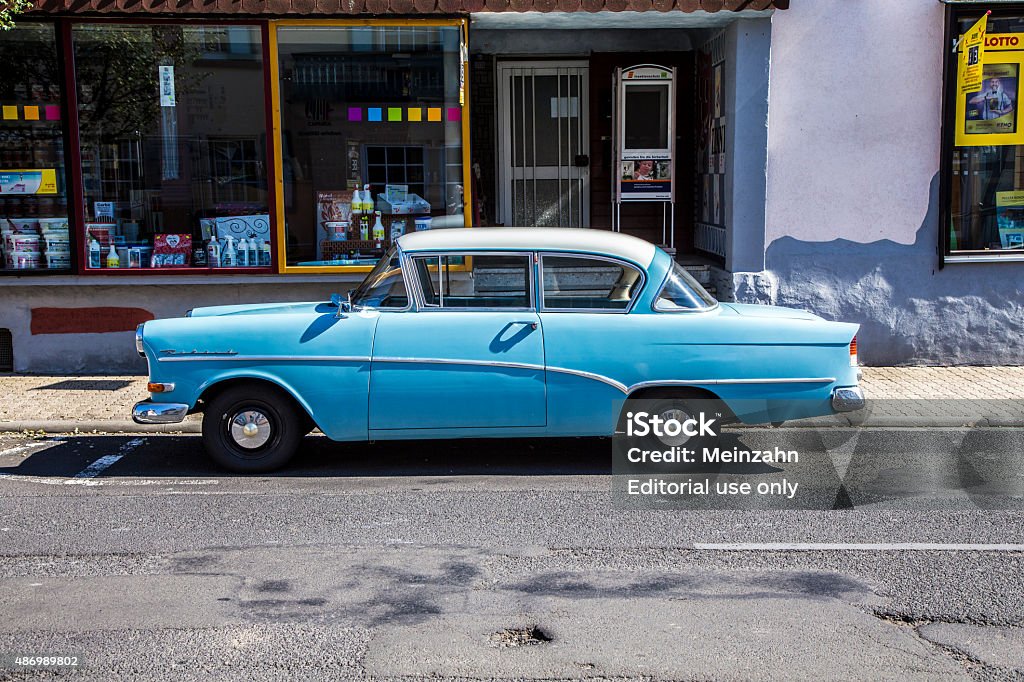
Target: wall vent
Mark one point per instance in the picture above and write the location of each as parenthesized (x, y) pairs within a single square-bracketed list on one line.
[(6, 351)]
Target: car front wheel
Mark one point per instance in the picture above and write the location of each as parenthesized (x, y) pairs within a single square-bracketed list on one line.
[(252, 429)]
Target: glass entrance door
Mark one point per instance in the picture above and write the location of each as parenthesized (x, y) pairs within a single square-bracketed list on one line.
[(544, 140)]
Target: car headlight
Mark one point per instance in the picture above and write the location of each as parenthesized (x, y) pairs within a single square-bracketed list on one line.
[(138, 340)]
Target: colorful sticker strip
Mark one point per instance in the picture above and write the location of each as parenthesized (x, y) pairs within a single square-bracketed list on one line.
[(397, 114), (30, 112)]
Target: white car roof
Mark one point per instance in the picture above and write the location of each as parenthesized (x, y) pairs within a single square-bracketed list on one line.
[(603, 242)]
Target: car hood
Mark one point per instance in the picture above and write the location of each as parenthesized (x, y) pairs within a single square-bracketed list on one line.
[(769, 311), (265, 309)]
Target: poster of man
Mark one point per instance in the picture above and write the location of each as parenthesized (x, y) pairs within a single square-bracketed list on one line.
[(993, 109)]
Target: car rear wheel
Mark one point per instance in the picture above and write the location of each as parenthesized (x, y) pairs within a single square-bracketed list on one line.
[(680, 408), (252, 429)]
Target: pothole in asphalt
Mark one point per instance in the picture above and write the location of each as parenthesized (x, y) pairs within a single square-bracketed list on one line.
[(526, 636)]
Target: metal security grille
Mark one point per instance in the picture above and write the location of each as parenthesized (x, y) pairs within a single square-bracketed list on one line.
[(544, 163), (6, 351)]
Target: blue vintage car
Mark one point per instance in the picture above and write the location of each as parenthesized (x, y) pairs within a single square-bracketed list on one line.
[(469, 333)]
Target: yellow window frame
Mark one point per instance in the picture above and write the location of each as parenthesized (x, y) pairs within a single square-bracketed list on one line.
[(275, 96)]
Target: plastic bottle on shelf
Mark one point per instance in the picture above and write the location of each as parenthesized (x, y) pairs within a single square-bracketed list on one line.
[(213, 253), (113, 260), (378, 230), (95, 254), (243, 252), (229, 256), (354, 214), (364, 223), (265, 254)]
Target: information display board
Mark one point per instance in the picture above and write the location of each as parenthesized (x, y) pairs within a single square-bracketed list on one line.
[(645, 129)]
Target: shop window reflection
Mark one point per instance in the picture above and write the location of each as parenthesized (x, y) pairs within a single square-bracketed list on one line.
[(34, 234), (173, 138), (371, 121)]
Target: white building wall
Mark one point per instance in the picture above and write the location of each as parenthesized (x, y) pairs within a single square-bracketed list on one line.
[(851, 208), (853, 138)]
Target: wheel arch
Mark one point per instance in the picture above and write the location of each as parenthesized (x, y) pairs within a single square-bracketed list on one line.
[(220, 384), (683, 393)]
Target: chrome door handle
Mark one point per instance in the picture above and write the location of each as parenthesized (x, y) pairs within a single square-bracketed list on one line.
[(533, 325)]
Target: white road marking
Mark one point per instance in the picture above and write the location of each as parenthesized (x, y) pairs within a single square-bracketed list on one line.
[(29, 446), (93, 482), (106, 461), (857, 547)]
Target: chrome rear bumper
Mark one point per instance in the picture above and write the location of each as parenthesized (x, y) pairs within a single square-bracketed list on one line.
[(148, 412), (847, 399)]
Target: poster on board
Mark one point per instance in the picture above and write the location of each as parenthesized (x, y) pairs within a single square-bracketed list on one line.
[(989, 116), (646, 179), (1010, 219)]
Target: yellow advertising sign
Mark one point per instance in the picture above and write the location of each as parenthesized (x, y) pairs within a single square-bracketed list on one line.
[(972, 56), (988, 115)]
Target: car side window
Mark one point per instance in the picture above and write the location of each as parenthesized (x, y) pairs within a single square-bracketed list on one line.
[(468, 281), (588, 283)]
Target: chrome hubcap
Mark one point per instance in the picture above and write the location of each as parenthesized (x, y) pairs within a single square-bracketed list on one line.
[(680, 416), (250, 429)]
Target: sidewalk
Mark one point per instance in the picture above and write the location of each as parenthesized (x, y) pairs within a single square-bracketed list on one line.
[(898, 396)]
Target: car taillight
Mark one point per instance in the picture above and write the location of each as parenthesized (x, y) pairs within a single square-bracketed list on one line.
[(853, 352)]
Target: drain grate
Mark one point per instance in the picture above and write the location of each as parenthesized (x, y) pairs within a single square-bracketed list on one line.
[(6, 351), (527, 636)]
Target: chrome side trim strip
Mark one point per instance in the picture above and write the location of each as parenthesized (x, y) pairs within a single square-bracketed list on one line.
[(590, 375), (714, 382), (687, 382), (267, 358), (455, 361), (500, 363)]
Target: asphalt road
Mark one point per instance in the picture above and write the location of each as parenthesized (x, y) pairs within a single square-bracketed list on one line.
[(511, 559)]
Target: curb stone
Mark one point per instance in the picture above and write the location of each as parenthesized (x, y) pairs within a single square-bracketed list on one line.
[(106, 426)]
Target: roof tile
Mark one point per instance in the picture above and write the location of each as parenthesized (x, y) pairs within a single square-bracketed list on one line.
[(385, 7)]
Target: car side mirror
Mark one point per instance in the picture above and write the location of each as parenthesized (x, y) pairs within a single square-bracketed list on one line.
[(342, 306)]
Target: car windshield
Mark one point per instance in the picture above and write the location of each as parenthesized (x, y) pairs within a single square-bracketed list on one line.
[(682, 292), (384, 287)]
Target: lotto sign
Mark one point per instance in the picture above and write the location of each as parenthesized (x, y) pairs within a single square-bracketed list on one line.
[(972, 56)]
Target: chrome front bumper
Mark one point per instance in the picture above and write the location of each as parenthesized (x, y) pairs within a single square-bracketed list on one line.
[(848, 399), (148, 412)]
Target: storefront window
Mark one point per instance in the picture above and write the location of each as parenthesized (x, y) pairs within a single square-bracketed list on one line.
[(371, 122), (173, 131), (986, 216), (33, 198)]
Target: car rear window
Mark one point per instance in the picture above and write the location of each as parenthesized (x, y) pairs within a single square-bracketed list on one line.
[(588, 283)]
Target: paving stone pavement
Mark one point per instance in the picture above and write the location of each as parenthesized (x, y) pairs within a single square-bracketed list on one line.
[(897, 391)]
